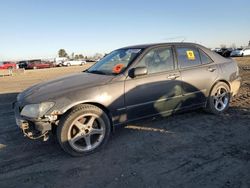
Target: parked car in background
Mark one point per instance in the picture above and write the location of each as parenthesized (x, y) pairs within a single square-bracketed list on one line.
[(216, 49), (240, 52), (38, 64), (128, 85), (246, 51), (22, 64), (59, 61), (8, 65), (225, 52), (90, 60), (237, 52), (74, 62)]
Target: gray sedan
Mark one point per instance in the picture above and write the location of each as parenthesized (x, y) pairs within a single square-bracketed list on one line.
[(127, 85)]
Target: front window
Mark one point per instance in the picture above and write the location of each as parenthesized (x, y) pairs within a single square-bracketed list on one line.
[(115, 62), (158, 60)]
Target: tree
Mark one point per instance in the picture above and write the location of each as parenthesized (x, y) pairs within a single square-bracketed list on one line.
[(81, 56), (223, 46), (62, 53), (76, 57), (233, 46), (98, 56)]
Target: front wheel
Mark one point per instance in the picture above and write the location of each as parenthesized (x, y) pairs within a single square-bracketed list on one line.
[(219, 98), (83, 130)]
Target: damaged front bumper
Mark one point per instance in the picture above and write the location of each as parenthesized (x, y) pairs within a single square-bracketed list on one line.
[(33, 128)]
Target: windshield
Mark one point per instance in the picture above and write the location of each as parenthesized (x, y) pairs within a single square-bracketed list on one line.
[(115, 62)]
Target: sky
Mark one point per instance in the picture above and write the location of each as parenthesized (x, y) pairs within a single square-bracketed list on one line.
[(39, 28)]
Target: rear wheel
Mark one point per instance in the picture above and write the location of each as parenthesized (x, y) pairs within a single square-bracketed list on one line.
[(84, 130), (219, 99)]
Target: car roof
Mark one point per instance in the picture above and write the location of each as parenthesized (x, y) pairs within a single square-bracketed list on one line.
[(213, 55), (144, 46)]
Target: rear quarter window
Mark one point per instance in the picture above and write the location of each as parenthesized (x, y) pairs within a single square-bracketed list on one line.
[(188, 57), (205, 59)]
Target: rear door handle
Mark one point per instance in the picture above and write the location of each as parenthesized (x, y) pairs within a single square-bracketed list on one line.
[(211, 69), (172, 77)]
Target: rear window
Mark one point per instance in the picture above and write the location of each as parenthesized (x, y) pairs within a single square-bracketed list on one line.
[(188, 57)]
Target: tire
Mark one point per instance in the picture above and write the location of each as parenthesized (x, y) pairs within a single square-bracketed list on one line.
[(219, 99), (83, 130), (10, 68), (68, 64)]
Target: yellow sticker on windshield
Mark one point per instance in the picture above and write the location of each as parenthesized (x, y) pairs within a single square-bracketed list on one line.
[(190, 55)]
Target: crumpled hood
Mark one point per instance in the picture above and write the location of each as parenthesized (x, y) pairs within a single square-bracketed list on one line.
[(64, 85)]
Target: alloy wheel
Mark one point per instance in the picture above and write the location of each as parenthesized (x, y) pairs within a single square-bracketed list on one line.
[(86, 132), (221, 99)]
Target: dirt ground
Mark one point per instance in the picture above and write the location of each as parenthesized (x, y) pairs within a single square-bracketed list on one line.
[(193, 149)]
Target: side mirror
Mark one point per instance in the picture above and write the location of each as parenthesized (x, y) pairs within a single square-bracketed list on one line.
[(138, 71)]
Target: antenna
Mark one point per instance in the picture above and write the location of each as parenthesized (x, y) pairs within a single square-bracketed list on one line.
[(183, 39)]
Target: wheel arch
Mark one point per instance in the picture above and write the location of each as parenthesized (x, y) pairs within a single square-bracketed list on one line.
[(218, 81), (211, 89), (104, 108)]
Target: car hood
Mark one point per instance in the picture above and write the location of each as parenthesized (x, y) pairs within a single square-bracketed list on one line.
[(62, 86)]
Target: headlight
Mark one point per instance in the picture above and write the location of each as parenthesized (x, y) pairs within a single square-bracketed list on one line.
[(36, 110)]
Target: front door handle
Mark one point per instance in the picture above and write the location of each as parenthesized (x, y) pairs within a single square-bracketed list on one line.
[(211, 69), (172, 77)]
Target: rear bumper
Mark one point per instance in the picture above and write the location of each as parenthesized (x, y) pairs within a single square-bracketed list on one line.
[(235, 86)]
